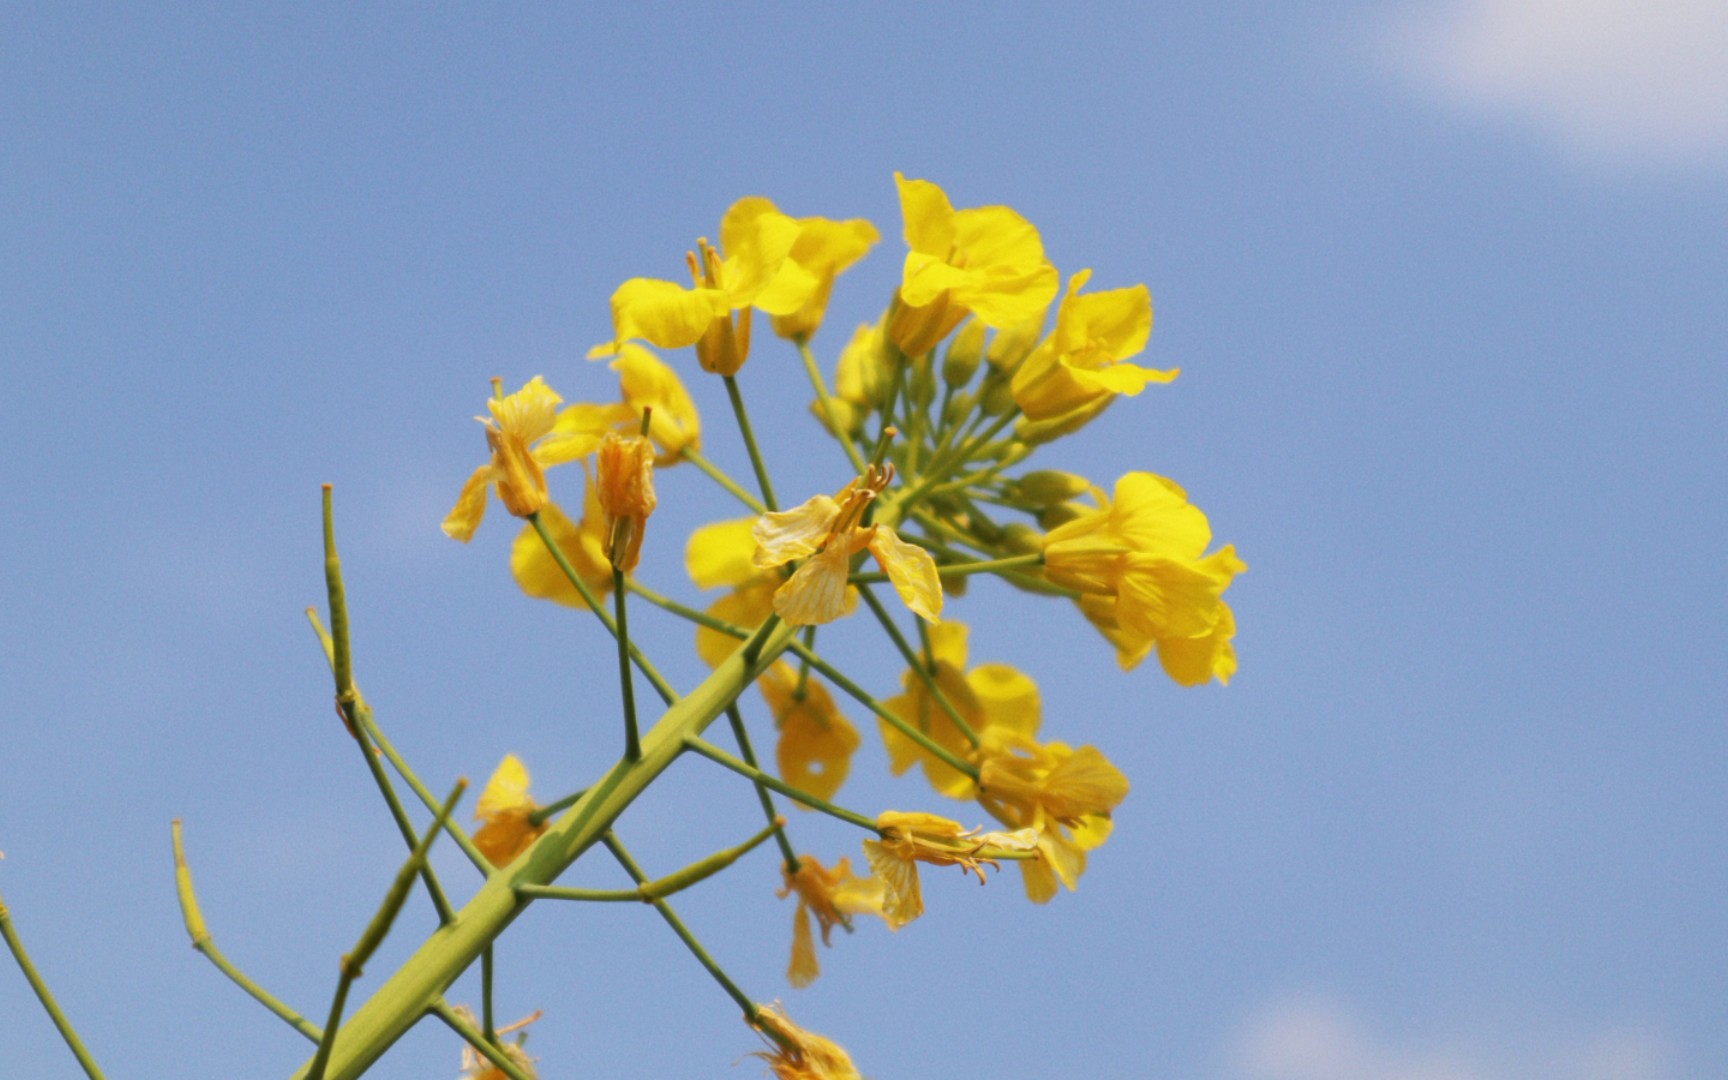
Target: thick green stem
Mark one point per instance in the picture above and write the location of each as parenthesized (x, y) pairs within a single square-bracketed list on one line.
[(61, 1024), (355, 960), (201, 940), (750, 442), (409, 993)]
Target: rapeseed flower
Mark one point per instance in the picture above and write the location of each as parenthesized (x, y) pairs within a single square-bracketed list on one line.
[(626, 486), (987, 260), (797, 1054), (1066, 795), (826, 533), (582, 543), (521, 436), (814, 752), (1137, 561), (832, 897), (824, 247), (908, 839), (756, 271), (989, 697), (1082, 364), (504, 811)]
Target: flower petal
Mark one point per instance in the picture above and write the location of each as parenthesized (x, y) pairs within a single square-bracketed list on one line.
[(470, 506), (912, 572), (785, 535)]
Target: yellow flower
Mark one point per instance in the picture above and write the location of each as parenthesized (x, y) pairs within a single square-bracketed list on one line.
[(816, 742), (756, 272), (987, 260), (833, 897), (626, 483), (1066, 795), (523, 444), (647, 383), (989, 697), (1082, 363), (474, 1064), (824, 247), (583, 544), (826, 533), (797, 1054), (1139, 557), (504, 809), (908, 839)]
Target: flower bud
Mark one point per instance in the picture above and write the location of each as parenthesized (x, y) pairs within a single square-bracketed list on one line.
[(1047, 487), (626, 484), (965, 352)]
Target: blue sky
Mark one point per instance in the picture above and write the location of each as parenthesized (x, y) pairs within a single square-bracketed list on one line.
[(1445, 283)]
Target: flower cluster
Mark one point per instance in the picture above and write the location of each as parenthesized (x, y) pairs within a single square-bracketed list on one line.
[(981, 358)]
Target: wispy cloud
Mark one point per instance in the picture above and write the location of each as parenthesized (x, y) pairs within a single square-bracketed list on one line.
[(1628, 82), (1318, 1038)]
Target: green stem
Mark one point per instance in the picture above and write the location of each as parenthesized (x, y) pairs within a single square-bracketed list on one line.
[(715, 754), (201, 940), (52, 1007), (632, 740), (422, 979), (859, 694), (349, 703), (369, 724), (354, 962), (660, 888), (488, 1028), (825, 401), (617, 849), (719, 477), (778, 823), (661, 686), (750, 442), (551, 809), (912, 661), (485, 1047), (989, 566)]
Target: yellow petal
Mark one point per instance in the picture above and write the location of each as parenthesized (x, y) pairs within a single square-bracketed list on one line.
[(649, 383), (722, 553), (928, 214), (902, 900), (540, 576), (814, 753), (816, 592), (1198, 660), (804, 967), (785, 535), (1167, 598), (747, 607), (470, 506), (507, 790), (664, 313), (1007, 699), (912, 572)]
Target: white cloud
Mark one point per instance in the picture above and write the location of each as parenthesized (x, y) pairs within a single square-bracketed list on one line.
[(1624, 81), (1317, 1038)]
